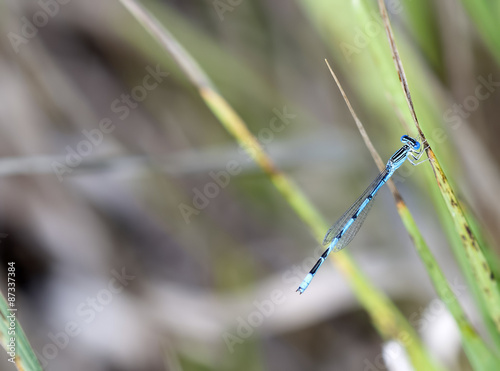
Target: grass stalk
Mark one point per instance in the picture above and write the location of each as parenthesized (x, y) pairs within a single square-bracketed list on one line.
[(479, 265)]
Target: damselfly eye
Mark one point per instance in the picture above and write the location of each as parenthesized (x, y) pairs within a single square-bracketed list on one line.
[(405, 139), (411, 142)]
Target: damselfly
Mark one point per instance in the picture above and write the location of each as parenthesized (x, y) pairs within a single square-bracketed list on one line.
[(344, 230)]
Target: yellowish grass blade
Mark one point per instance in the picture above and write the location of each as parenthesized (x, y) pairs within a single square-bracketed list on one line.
[(478, 263)]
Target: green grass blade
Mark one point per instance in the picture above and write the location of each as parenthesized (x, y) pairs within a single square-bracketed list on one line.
[(485, 16), (478, 263), (478, 353), (422, 21), (25, 358), (456, 244)]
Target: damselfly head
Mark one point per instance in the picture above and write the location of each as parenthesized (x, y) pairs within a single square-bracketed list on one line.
[(414, 144)]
